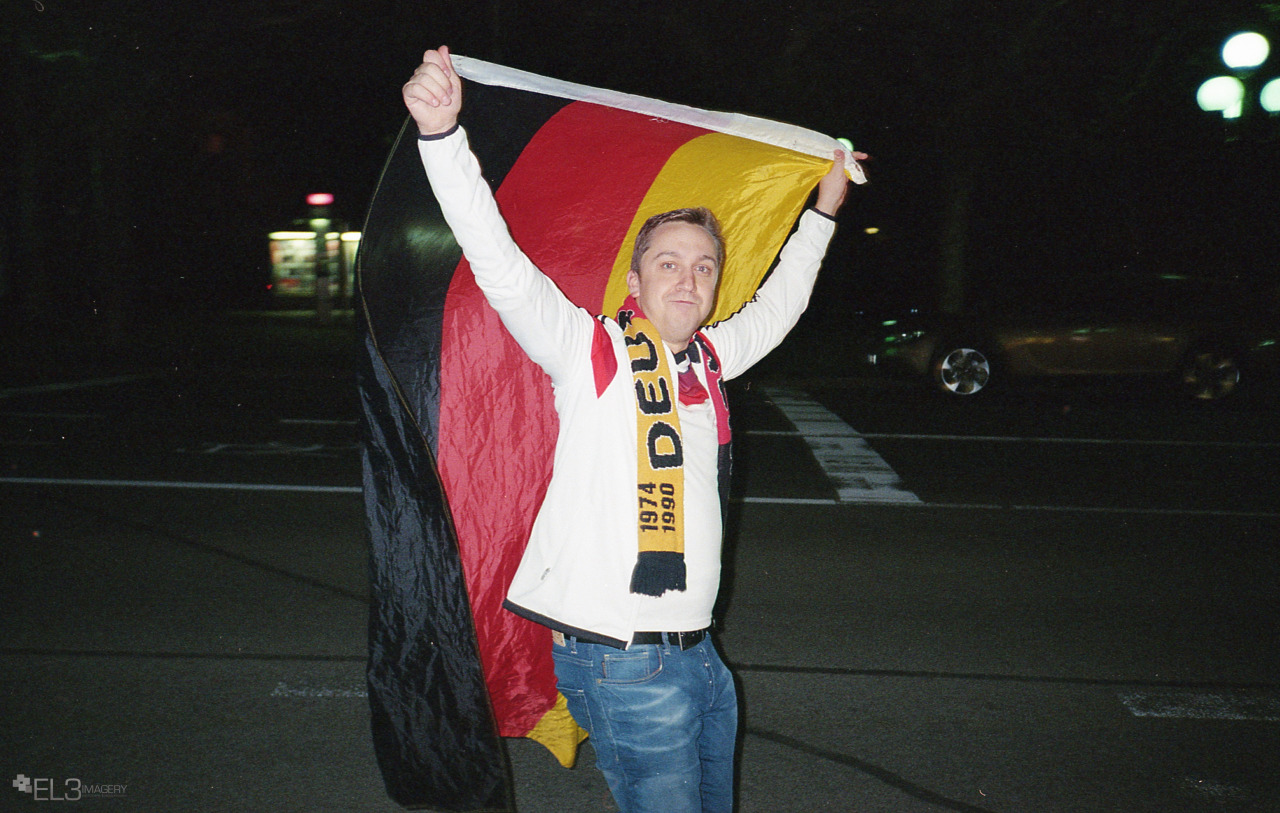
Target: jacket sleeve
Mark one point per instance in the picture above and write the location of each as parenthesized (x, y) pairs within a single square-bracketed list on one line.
[(761, 325), (546, 325)]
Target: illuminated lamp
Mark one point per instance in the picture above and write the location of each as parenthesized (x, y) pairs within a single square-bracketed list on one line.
[(319, 199), (1245, 51), (1269, 98), (1225, 93)]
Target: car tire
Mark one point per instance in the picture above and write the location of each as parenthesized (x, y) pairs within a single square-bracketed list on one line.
[(1210, 374), (961, 369)]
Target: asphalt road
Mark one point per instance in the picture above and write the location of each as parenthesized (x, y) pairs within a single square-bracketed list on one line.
[(1059, 599)]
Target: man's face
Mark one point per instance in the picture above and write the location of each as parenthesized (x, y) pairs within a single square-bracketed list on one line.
[(676, 285)]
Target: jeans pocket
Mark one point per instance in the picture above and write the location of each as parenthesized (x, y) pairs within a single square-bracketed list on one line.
[(572, 673), (632, 666)]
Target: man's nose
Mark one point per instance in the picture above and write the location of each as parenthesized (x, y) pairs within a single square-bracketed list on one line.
[(685, 279)]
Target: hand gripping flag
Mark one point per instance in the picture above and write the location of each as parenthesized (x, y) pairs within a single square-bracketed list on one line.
[(459, 424)]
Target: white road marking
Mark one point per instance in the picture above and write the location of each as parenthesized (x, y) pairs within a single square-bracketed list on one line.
[(73, 385), (1220, 444), (1164, 512), (57, 416), (54, 481), (1202, 705), (787, 501), (274, 448), (316, 422), (1217, 791), (283, 689), (859, 474), (1227, 444), (1065, 509)]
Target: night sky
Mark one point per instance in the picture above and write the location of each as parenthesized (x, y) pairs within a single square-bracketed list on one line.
[(1063, 137)]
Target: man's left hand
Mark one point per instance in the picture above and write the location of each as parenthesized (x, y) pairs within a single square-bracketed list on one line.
[(833, 185)]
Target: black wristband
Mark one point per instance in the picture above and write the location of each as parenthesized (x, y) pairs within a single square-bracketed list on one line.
[(816, 210), (438, 136)]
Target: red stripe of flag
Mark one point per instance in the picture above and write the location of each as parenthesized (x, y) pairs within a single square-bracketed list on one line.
[(569, 201)]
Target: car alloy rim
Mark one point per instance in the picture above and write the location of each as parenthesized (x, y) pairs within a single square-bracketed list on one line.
[(1210, 376), (964, 371)]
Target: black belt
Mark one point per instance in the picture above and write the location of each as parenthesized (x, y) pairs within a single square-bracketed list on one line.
[(684, 640)]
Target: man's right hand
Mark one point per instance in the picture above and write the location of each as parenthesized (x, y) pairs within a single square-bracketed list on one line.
[(434, 93)]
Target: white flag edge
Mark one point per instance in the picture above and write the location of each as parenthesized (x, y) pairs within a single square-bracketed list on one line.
[(766, 131)]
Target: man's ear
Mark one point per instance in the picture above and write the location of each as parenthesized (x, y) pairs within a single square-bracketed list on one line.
[(633, 282)]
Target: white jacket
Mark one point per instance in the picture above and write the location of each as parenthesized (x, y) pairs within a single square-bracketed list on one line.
[(576, 571)]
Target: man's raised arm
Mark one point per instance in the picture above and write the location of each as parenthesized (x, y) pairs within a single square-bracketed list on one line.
[(764, 322), (546, 325)]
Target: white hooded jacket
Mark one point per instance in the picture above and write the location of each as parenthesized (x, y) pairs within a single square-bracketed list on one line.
[(576, 571)]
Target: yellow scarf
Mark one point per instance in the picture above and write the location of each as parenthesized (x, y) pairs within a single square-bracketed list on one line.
[(660, 460)]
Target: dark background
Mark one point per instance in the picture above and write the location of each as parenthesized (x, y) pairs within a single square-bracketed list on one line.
[(150, 147)]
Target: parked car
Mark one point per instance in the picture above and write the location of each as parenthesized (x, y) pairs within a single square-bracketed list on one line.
[(1205, 336)]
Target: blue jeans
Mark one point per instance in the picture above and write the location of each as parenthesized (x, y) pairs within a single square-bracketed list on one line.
[(663, 722)]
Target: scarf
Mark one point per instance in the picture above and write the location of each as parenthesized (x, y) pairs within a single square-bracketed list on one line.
[(660, 562)]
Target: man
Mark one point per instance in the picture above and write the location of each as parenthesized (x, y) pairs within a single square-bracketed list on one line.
[(623, 561)]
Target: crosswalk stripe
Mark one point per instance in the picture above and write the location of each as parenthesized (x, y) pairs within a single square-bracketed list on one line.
[(1202, 705), (859, 474)]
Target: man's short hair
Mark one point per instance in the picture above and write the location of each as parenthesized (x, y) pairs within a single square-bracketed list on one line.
[(698, 216)]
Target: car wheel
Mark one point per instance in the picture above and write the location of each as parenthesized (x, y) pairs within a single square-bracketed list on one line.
[(962, 370), (1210, 374)]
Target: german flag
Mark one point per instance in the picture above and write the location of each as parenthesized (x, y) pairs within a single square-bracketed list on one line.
[(459, 425)]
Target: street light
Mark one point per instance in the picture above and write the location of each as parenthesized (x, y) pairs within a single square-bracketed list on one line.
[(1222, 93), (1243, 53), (1269, 98), (320, 222)]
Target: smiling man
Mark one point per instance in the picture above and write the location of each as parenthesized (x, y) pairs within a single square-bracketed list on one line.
[(680, 254), (623, 561)]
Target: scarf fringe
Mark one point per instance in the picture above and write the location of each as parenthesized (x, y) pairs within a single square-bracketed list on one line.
[(658, 571)]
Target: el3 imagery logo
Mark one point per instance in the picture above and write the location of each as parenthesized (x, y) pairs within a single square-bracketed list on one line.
[(44, 789)]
